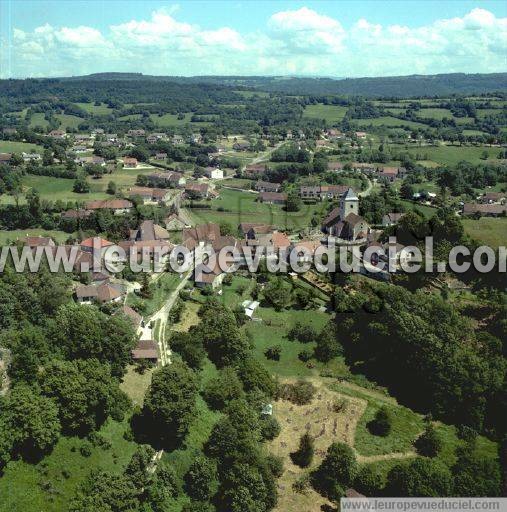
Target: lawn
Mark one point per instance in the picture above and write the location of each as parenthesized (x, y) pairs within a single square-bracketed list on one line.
[(50, 485), (273, 330), (136, 384), (170, 119), (330, 113), (435, 113), (61, 188), (68, 121), (242, 207), (487, 230), (37, 119), (428, 211), (11, 236), (96, 110), (389, 122), (451, 155), (6, 146)]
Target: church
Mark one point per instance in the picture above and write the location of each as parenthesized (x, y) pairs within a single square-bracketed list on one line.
[(344, 222)]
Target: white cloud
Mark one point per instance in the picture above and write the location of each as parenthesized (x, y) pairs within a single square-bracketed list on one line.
[(300, 41)]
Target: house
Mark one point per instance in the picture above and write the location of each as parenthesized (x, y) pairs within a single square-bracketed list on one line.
[(360, 135), (196, 190), (78, 149), (57, 134), (334, 166), (5, 158), (151, 195), (9, 131), (152, 138), (97, 131), (89, 244), (177, 140), (364, 167), (202, 234), (322, 192), (158, 251), (167, 179), (391, 219), (391, 173), (488, 210), (266, 186), (195, 138), (493, 197), (148, 230), (31, 157), (104, 293), (90, 160), (129, 162), (38, 241), (136, 133), (252, 230), (255, 170), (273, 197), (214, 173), (305, 249), (83, 138), (175, 223), (160, 156), (241, 146), (118, 206), (133, 316), (206, 276), (334, 133), (147, 350), (76, 214)]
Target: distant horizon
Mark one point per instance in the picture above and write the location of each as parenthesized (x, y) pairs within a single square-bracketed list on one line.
[(325, 39), (287, 77)]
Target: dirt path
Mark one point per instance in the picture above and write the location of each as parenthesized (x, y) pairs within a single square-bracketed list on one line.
[(161, 314)]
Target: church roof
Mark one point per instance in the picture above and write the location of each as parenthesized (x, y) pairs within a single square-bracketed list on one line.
[(350, 195)]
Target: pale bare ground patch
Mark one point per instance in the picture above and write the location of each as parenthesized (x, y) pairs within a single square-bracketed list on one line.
[(188, 318), (326, 423), (135, 385), (322, 419)]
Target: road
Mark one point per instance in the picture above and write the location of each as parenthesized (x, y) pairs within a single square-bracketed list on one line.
[(368, 189), (162, 314)]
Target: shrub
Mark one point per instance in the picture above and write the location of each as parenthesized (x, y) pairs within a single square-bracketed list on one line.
[(300, 393), (381, 425), (270, 428), (429, 442), (305, 355), (304, 455), (273, 352), (85, 449)]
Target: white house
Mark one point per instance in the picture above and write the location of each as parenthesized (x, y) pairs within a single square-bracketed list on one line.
[(214, 173)]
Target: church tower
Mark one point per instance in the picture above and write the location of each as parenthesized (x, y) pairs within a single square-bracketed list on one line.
[(349, 203)]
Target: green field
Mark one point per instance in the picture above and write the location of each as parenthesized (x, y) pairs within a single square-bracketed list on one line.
[(487, 230), (38, 120), (435, 113), (243, 207), (96, 110), (12, 236), (50, 485), (170, 119), (451, 155), (388, 122), (330, 113), (68, 121), (7, 146)]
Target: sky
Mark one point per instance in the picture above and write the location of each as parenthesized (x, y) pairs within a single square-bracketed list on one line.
[(314, 38)]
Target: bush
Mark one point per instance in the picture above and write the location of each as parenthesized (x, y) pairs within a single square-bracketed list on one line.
[(381, 425), (304, 455), (429, 444), (300, 393), (85, 449), (368, 481), (270, 428), (273, 352), (305, 355), (302, 333), (275, 465)]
